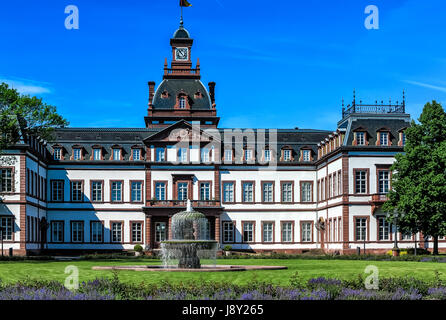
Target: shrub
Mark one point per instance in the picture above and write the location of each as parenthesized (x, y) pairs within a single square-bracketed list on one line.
[(227, 247), (138, 248)]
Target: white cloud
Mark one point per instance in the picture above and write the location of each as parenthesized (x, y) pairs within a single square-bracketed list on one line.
[(25, 86), (426, 85)]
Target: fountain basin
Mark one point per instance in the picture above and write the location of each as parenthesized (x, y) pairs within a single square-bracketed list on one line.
[(187, 253), (204, 268)]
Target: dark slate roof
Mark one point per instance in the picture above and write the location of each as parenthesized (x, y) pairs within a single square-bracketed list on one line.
[(174, 86), (372, 125), (296, 139), (128, 137), (105, 137), (181, 33)]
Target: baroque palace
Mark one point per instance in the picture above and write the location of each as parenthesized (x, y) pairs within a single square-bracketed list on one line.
[(284, 190)]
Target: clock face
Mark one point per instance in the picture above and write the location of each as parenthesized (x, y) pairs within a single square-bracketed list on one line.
[(181, 54)]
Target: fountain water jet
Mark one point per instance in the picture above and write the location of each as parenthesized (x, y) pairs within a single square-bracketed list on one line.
[(190, 240)]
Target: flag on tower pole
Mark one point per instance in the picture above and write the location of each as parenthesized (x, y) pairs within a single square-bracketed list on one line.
[(184, 3)]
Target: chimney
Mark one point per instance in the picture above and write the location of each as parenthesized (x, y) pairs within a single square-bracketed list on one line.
[(212, 93), (151, 92)]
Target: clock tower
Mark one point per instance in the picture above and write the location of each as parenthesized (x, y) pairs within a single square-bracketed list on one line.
[(181, 64), (181, 95)]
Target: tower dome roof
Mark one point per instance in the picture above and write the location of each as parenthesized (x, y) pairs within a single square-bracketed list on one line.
[(181, 33)]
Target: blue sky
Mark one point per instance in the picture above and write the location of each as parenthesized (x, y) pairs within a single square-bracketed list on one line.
[(277, 64)]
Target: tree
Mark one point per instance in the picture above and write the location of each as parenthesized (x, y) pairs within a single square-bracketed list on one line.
[(418, 192), (22, 114)]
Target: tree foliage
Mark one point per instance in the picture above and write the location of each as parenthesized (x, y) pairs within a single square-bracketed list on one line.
[(19, 113), (418, 194)]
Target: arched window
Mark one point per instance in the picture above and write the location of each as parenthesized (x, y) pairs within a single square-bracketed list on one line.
[(183, 102)]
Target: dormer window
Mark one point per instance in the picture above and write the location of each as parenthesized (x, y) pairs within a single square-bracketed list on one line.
[(267, 155), (205, 155), (306, 155), (287, 155), (360, 138), (248, 154), (160, 155), (403, 139), (198, 95), (97, 154), (57, 153), (164, 94), (77, 154), (182, 102), (136, 154), (383, 138), (228, 155), (116, 154)]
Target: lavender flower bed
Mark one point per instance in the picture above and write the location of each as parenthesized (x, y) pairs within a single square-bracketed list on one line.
[(313, 289)]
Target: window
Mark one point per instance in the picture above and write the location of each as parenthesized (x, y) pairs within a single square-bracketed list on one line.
[(77, 231), (268, 232), (160, 231), (228, 231), (306, 192), (116, 191), (97, 154), (361, 181), (248, 231), (160, 190), (116, 154), (267, 155), (116, 232), (306, 155), (268, 192), (360, 138), (97, 231), (248, 154), (136, 154), (306, 231), (228, 155), (287, 232), (77, 154), (56, 231), (96, 191), (406, 236), (248, 192), (57, 190), (182, 103), (205, 155), (361, 229), (384, 138), (205, 191), (384, 229), (6, 225), (57, 154), (403, 139), (287, 155), (136, 232), (182, 154), (160, 155), (228, 191), (6, 180), (383, 181), (136, 191), (287, 192), (182, 190), (77, 191)]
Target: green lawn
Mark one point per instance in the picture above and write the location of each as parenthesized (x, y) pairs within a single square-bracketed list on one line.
[(341, 269)]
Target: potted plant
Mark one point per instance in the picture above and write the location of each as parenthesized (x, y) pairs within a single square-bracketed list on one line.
[(138, 249)]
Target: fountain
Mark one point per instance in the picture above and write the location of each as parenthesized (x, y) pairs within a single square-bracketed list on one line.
[(190, 240)]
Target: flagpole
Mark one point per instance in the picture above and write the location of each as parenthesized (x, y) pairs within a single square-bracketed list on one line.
[(181, 20)]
